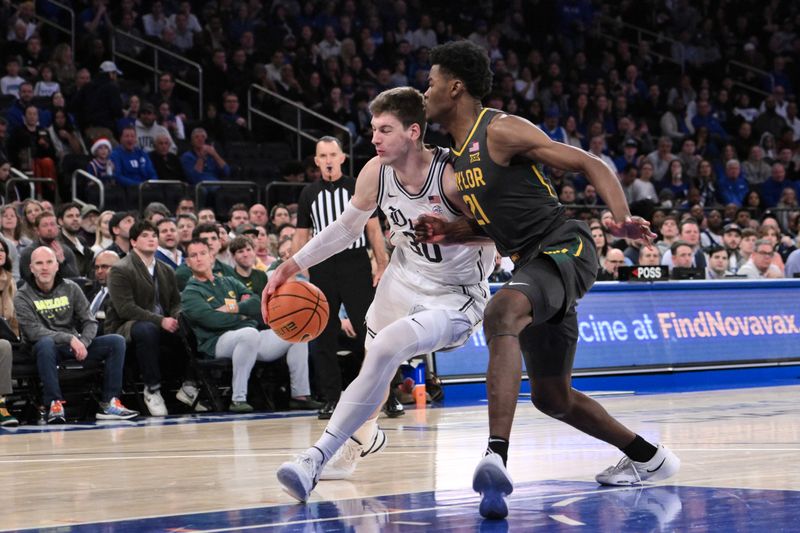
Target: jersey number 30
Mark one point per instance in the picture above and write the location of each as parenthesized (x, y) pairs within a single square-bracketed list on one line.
[(431, 252)]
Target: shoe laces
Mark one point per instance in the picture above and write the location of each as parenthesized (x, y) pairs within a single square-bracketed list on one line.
[(308, 464), (115, 405), (348, 454), (625, 465)]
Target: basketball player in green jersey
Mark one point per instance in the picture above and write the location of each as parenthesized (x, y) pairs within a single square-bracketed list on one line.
[(496, 158)]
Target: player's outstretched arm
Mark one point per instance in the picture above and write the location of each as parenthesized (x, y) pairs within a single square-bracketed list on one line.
[(511, 135), (337, 236)]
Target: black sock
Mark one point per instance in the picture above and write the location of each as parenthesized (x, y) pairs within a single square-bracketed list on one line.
[(640, 450), (498, 445)]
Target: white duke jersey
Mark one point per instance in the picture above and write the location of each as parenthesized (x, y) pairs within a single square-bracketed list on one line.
[(441, 265)]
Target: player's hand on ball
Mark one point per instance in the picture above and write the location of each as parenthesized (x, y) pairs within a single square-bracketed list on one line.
[(282, 274), (635, 228), (430, 228)]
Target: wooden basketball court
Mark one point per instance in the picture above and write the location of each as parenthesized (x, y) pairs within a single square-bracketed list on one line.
[(740, 450)]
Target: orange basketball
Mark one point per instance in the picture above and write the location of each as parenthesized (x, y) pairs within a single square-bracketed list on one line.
[(297, 311)]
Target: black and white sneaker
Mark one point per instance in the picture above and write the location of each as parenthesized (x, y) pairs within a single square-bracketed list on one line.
[(344, 461), (663, 465)]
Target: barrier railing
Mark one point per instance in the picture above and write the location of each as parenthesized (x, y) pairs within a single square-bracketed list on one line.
[(640, 31), (732, 65), (155, 68), (149, 184), (227, 184), (69, 31), (50, 182), (101, 188), (296, 128)]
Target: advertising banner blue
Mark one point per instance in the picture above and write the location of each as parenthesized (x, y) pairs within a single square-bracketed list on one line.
[(627, 326)]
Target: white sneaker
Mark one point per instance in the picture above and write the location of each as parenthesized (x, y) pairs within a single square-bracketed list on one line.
[(187, 394), (664, 464), (492, 481), (155, 403), (344, 461), (299, 476)]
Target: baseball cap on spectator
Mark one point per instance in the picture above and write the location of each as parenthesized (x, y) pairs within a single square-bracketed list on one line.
[(749, 47), (102, 141), (732, 227), (147, 107), (118, 217), (246, 229), (109, 66), (89, 208), (631, 142)]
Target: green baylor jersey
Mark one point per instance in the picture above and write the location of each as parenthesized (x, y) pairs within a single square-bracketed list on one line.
[(516, 205)]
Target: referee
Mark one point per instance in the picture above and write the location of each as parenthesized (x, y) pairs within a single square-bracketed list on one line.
[(347, 277)]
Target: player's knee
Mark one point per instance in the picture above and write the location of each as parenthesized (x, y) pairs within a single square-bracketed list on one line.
[(507, 312), (553, 404)]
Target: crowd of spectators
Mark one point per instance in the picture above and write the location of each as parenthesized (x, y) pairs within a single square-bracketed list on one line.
[(695, 108)]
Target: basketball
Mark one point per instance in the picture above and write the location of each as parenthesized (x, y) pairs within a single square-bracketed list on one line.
[(297, 311)]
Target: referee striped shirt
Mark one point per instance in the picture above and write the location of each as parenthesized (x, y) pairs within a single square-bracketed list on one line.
[(322, 202)]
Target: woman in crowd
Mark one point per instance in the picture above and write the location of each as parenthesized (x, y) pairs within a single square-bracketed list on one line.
[(600, 241), (30, 210), (103, 238)]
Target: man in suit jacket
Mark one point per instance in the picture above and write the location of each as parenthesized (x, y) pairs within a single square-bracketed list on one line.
[(98, 294), (144, 309)]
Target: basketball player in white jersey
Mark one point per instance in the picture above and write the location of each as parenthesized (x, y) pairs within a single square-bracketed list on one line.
[(430, 298)]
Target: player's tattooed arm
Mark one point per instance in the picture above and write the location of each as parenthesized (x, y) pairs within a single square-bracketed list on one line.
[(435, 230)]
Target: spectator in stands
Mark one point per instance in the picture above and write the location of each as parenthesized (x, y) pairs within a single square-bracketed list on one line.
[(47, 235), (155, 21), (732, 237), (712, 233), (263, 247), (234, 125), (119, 226), (669, 234), (65, 331), (30, 148), (89, 219), (718, 262), (755, 169), (144, 309), (185, 206), (258, 215), (173, 123), (675, 181), (186, 223), (689, 235), (101, 166), (132, 165), (600, 242), (245, 259), (11, 233), (96, 19), (65, 139), (103, 238), (754, 203), (278, 216), (168, 251), (206, 216), (166, 93), (16, 113), (681, 255), (147, 130), (689, 158), (202, 162), (788, 208), (769, 120), (610, 271), (69, 218), (238, 214), (98, 296), (10, 83), (747, 245), (98, 105), (649, 255), (733, 186), (155, 212), (225, 316), (165, 162), (760, 263), (597, 146), (224, 255), (772, 188), (661, 159), (706, 119), (208, 233)]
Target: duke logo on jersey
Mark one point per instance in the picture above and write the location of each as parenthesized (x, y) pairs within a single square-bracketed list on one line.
[(440, 264)]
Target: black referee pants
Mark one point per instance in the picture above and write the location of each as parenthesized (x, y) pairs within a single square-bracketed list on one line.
[(345, 278)]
